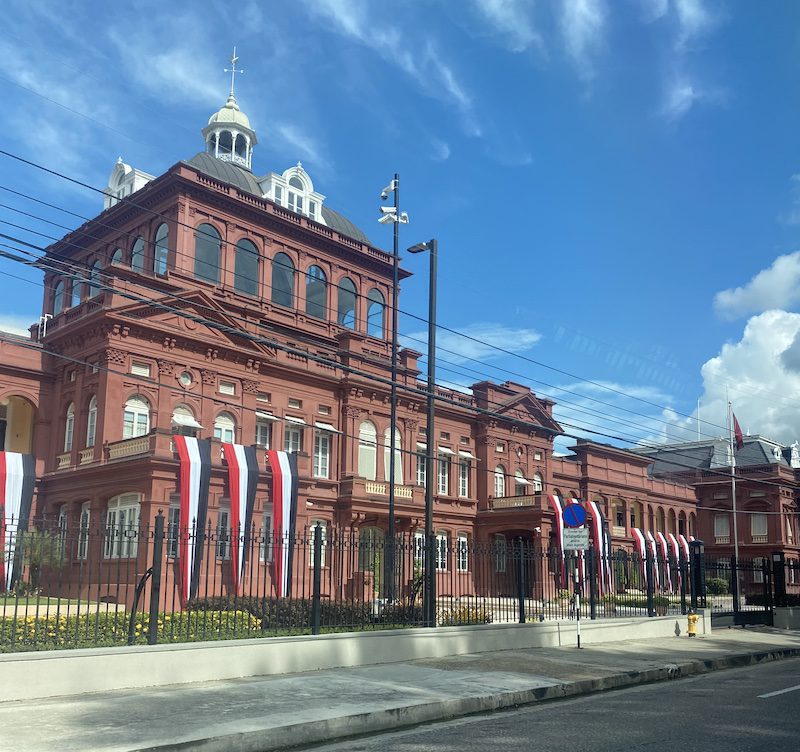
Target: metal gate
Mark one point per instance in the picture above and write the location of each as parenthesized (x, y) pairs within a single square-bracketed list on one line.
[(739, 591)]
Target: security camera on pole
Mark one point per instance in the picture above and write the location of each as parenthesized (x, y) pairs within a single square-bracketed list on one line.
[(394, 215)]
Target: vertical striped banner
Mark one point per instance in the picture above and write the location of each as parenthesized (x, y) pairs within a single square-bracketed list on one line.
[(651, 542), (17, 479), (665, 553), (638, 540), (242, 482), (600, 536), (284, 513), (195, 476), (555, 502)]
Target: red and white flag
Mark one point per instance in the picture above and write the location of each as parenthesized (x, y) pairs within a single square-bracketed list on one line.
[(555, 502), (284, 512), (17, 478), (738, 436), (242, 462)]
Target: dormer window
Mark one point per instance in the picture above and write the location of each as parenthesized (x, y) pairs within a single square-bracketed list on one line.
[(294, 191)]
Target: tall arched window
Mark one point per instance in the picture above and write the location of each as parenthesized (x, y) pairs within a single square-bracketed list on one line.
[(520, 484), (398, 455), (137, 254), (58, 298), (316, 288), (282, 280), (375, 309), (160, 251), (135, 418), (94, 279), (346, 306), (367, 450), (91, 422), (206, 253), (499, 481), (538, 485), (225, 428), (74, 294), (245, 273), (69, 427), (116, 257)]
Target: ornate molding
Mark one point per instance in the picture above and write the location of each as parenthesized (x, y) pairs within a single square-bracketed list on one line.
[(249, 386), (115, 356), (208, 377), (166, 367), (351, 411)]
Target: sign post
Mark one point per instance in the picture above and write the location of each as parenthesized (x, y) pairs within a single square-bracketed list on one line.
[(576, 538)]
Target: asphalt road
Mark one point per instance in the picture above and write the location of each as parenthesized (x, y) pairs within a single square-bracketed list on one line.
[(719, 712)]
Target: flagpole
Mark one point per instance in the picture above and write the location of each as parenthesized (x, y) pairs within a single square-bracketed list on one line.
[(733, 484)]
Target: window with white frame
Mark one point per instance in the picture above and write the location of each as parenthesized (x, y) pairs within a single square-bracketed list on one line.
[(91, 422), (758, 569), (322, 454), (263, 432), (225, 428), (223, 547), (135, 418), (122, 526), (265, 539), (138, 368), (441, 551), (722, 526), (443, 479), (62, 530), (69, 427), (398, 455), (173, 527), (500, 553), (422, 469), (367, 450), (320, 525), (292, 439), (789, 529), (462, 552), (499, 482), (538, 485), (183, 421), (419, 548), (83, 530), (758, 525), (520, 484), (463, 478), (227, 387)]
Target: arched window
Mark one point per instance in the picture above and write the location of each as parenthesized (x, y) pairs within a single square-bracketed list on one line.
[(91, 422), (122, 526), (367, 450), (245, 273), (58, 298), (206, 253), (225, 428), (116, 257), (184, 422), (520, 484), (136, 418), (160, 251), (69, 427), (538, 485), (499, 481), (74, 294), (346, 307), (316, 287), (94, 279), (295, 182), (398, 455), (375, 309), (282, 280), (137, 254)]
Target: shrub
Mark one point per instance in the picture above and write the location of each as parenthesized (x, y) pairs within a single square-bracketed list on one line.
[(461, 615), (716, 586), (400, 613)]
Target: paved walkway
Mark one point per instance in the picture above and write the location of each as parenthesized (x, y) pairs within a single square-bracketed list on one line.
[(281, 712)]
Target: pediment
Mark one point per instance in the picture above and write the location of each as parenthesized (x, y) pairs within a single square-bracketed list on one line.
[(528, 408), (196, 316)]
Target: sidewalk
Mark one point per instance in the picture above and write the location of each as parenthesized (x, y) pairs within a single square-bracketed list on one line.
[(280, 712)]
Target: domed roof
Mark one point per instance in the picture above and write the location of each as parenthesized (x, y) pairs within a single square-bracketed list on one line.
[(231, 114)]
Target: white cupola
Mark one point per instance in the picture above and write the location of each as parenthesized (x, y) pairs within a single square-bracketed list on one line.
[(228, 135)]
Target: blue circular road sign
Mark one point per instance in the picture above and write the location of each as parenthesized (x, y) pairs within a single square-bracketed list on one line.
[(574, 515)]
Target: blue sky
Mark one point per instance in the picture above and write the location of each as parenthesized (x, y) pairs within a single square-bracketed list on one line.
[(615, 186)]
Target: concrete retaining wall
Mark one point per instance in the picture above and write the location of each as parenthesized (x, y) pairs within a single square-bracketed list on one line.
[(787, 618), (26, 676)]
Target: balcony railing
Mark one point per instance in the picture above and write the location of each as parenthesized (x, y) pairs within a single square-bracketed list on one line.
[(759, 538), (63, 461), (85, 456), (618, 531), (355, 487), (722, 539), (129, 447), (532, 501)]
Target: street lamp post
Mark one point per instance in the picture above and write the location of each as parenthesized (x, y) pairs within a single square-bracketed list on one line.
[(394, 215), (429, 583)]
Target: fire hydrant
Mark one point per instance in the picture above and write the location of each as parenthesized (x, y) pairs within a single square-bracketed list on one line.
[(692, 618)]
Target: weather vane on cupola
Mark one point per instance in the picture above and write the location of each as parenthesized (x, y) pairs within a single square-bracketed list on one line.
[(233, 70)]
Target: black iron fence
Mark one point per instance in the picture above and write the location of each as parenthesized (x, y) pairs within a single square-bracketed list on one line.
[(127, 583)]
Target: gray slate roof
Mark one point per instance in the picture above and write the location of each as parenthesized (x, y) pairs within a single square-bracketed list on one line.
[(244, 180)]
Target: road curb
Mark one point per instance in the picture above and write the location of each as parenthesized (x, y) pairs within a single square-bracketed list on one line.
[(336, 729)]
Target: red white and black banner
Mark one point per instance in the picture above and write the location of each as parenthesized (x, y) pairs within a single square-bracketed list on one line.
[(555, 502), (676, 552), (665, 553), (284, 513), (685, 545), (195, 474), (651, 543), (639, 542), (17, 478), (602, 545), (243, 472)]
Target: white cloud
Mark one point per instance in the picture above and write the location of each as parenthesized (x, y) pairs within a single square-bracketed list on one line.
[(583, 27), (441, 150), (512, 21), (778, 286), (477, 342), (13, 323), (693, 19), (760, 374), (680, 96)]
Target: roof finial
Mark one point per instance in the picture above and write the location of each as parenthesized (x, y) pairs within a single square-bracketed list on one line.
[(233, 70)]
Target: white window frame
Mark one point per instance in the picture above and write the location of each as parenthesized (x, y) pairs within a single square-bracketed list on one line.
[(173, 534), (499, 482), (91, 422), (265, 551), (367, 450), (140, 368), (463, 478), (323, 526), (443, 475), (419, 548), (758, 524), (758, 572), (225, 428), (398, 456), (62, 529), (227, 387), (263, 436), (122, 527), (138, 424), (222, 548), (722, 525), (83, 531), (441, 551), (322, 454), (462, 552), (500, 553), (538, 483), (292, 439), (69, 427), (422, 470)]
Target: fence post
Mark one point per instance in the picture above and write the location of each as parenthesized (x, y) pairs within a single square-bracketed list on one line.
[(592, 565), (520, 581), (155, 579), (779, 577), (649, 570), (735, 583), (697, 574), (315, 598)]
